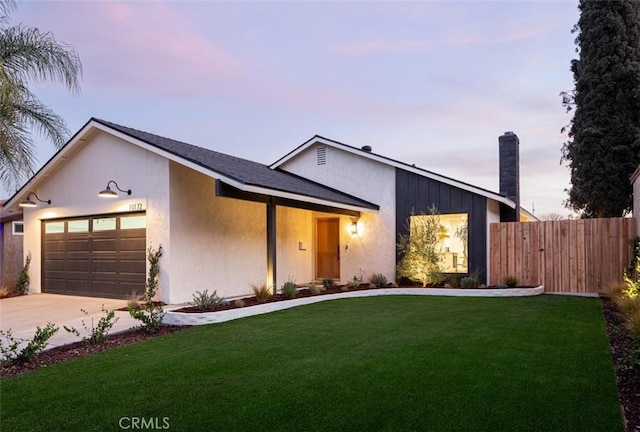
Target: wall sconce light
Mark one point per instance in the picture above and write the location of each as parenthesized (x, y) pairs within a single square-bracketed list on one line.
[(29, 203), (353, 228), (108, 193)]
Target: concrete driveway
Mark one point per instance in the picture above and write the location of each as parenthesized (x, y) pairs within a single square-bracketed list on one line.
[(23, 314)]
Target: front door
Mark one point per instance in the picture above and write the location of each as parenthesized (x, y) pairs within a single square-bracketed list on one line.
[(328, 248)]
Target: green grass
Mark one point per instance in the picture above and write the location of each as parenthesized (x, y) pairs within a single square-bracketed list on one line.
[(385, 363)]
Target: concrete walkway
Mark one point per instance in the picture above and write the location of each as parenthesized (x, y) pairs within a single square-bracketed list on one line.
[(23, 314)]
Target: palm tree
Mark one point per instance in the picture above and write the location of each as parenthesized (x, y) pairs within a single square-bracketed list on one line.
[(28, 55)]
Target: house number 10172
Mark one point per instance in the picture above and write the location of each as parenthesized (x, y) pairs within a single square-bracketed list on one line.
[(135, 206)]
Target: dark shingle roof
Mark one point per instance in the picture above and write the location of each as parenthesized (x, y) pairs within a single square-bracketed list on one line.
[(242, 170)]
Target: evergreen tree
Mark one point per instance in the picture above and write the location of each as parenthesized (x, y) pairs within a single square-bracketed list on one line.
[(603, 149)]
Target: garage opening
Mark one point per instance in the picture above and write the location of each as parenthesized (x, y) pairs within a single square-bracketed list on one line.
[(95, 256)]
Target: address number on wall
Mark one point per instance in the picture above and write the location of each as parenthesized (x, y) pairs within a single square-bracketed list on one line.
[(135, 206)]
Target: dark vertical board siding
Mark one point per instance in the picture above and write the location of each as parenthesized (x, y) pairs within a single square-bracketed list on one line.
[(417, 193)]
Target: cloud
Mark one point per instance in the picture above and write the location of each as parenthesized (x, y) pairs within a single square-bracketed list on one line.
[(141, 48), (403, 46)]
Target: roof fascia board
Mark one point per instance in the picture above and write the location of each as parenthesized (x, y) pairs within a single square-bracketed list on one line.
[(394, 164), (304, 198)]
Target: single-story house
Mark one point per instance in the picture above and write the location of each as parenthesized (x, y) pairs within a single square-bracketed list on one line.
[(324, 210), (11, 258)]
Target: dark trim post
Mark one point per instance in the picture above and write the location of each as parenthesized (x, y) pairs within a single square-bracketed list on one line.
[(271, 246)]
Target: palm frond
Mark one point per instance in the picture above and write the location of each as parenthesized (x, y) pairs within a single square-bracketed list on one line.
[(33, 114), (28, 54), (6, 7)]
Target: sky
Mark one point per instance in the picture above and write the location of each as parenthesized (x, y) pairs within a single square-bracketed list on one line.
[(430, 83)]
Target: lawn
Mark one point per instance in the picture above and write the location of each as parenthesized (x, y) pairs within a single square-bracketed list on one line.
[(380, 363)]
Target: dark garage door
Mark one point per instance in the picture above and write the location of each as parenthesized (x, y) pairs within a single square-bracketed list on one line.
[(97, 256)]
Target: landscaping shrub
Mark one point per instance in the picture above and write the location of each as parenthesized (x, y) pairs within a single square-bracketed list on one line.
[(328, 283), (316, 289), (9, 346), (378, 280), (134, 300), (150, 314), (262, 292), (510, 281), (352, 284), (470, 281), (23, 280), (239, 303), (4, 292), (205, 301), (97, 334), (289, 289)]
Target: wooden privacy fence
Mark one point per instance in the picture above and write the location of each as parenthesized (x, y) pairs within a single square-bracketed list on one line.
[(571, 256)]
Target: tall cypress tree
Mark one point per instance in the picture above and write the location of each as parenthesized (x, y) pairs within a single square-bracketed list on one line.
[(603, 149)]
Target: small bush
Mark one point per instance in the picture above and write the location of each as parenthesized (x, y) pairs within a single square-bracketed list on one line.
[(4, 292), (205, 301), (97, 334), (239, 303), (134, 300), (9, 346), (316, 289), (353, 283), (23, 280), (150, 314), (328, 283), (437, 278), (289, 289), (262, 292), (510, 281), (470, 281), (378, 280)]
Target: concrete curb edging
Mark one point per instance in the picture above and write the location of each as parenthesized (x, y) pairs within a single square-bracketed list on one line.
[(181, 318)]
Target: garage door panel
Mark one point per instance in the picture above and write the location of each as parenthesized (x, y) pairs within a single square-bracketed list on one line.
[(106, 245), (55, 245), (132, 244), (102, 262), (78, 245)]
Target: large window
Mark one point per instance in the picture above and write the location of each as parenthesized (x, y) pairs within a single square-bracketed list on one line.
[(452, 240)]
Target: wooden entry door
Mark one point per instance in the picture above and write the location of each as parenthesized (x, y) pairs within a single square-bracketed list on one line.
[(328, 248)]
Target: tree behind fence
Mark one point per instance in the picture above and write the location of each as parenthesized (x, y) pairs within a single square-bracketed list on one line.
[(572, 256)]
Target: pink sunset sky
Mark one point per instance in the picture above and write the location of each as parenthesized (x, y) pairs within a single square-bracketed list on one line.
[(430, 83)]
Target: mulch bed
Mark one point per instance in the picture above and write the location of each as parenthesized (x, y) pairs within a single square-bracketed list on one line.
[(80, 349), (628, 378)]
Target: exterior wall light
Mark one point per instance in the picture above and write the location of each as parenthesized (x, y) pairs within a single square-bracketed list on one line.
[(353, 228), (108, 193), (29, 203)]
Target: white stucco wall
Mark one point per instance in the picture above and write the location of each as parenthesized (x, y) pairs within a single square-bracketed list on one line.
[(294, 261), (493, 216), (73, 190), (216, 243), (374, 248)]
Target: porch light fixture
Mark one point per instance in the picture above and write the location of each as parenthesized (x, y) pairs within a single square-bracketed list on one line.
[(108, 193), (29, 203), (353, 228)]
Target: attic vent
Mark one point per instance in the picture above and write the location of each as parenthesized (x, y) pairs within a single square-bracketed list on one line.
[(321, 153)]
